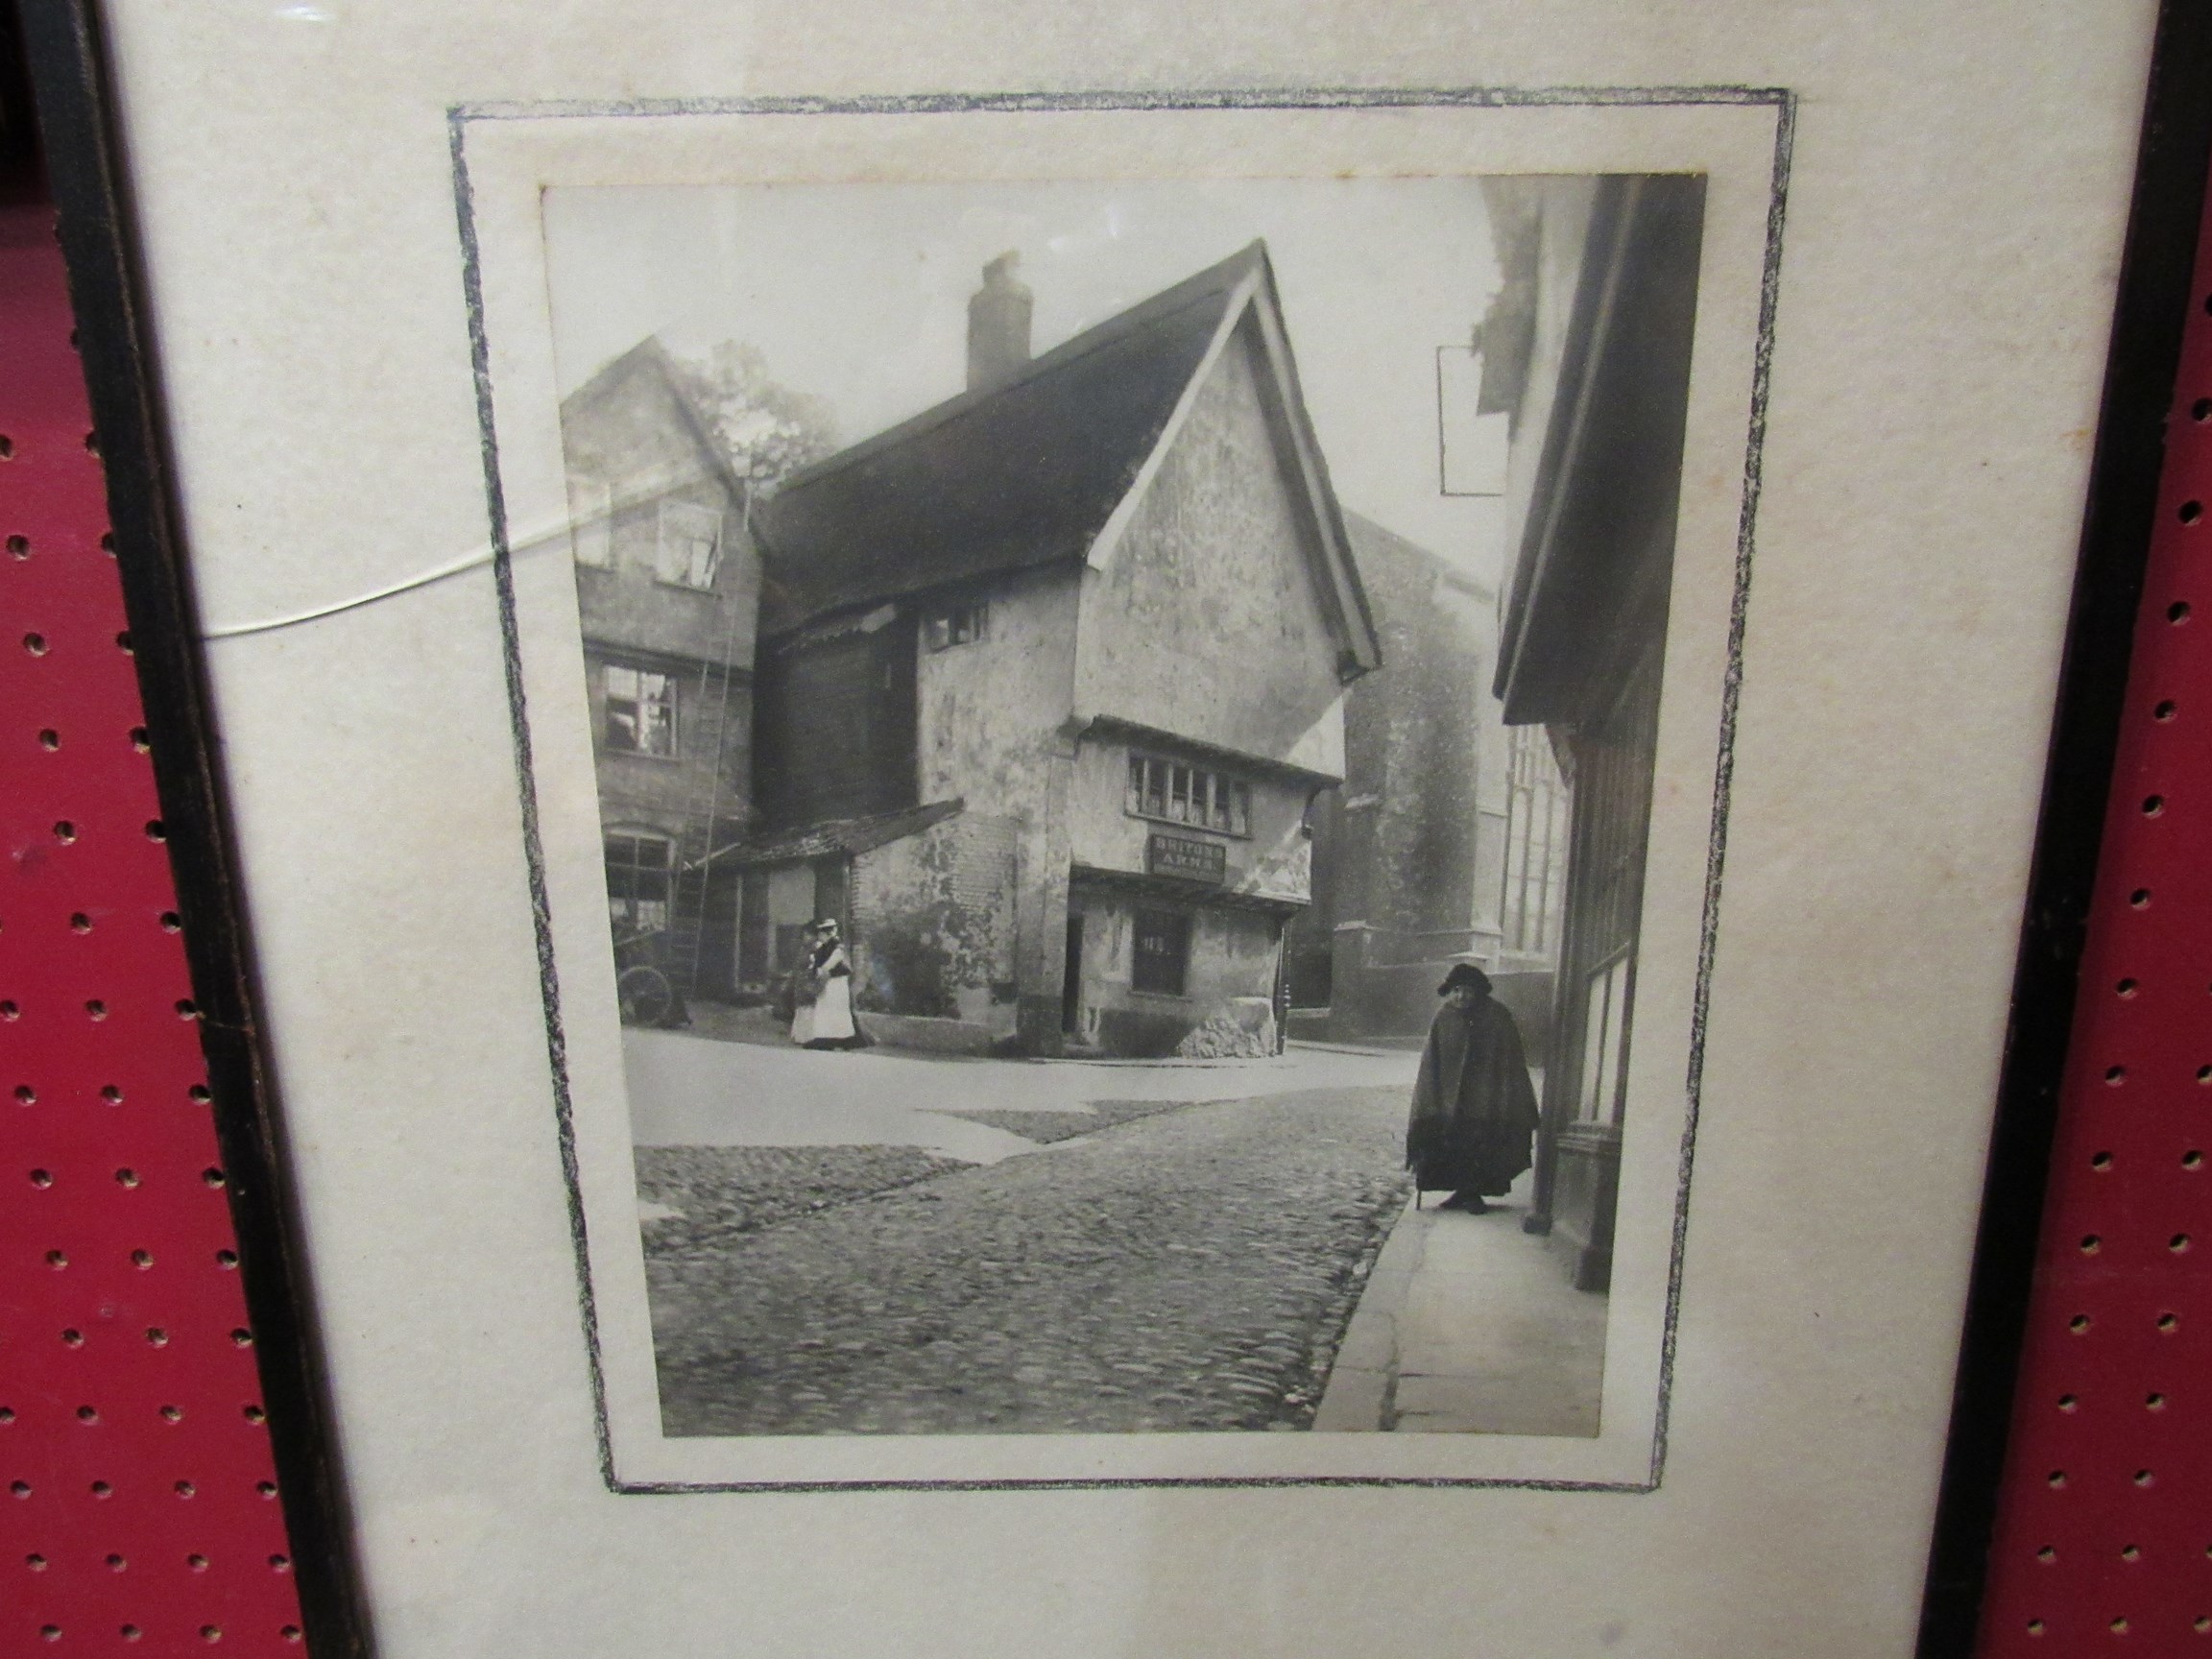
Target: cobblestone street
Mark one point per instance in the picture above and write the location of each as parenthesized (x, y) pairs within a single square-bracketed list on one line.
[(1189, 1269)]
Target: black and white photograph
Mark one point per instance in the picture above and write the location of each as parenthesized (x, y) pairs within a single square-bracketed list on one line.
[(1123, 720)]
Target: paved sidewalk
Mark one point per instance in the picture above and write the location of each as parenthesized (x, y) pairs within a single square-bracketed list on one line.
[(1468, 1325)]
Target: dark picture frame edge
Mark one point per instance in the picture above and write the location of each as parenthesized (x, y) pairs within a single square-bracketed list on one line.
[(69, 75), (2156, 275), (87, 174)]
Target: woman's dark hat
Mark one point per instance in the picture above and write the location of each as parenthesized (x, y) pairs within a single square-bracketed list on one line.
[(1465, 974)]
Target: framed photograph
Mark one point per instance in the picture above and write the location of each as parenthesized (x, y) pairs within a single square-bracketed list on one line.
[(1094, 739), (1122, 836)]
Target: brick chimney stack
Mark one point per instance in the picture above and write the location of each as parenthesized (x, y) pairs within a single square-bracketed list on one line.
[(997, 326)]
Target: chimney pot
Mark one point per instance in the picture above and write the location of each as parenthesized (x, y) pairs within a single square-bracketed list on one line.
[(998, 325)]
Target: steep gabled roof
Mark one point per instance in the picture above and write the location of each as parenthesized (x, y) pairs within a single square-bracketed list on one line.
[(650, 359), (1028, 473)]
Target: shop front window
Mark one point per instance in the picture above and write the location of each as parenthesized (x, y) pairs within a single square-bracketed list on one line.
[(1162, 959), (1604, 1042)]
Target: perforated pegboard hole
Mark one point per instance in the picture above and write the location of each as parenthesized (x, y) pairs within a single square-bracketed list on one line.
[(2088, 1556), (119, 1374)]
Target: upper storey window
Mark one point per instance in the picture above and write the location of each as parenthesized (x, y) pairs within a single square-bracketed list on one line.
[(955, 625), (691, 546), (641, 711), (591, 521), (1181, 794)]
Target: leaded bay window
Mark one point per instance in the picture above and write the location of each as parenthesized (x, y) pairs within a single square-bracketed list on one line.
[(1177, 793), (641, 711)]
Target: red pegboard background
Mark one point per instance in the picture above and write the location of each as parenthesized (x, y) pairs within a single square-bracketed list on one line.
[(2103, 1540), (139, 1515)]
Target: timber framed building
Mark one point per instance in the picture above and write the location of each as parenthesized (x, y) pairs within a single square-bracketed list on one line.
[(668, 592), (1050, 677)]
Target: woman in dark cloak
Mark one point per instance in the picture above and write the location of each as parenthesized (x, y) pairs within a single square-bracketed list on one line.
[(1474, 1109)]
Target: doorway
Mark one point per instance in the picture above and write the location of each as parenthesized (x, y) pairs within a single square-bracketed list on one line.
[(1072, 977)]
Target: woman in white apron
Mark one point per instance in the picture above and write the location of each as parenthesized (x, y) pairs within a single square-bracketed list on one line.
[(824, 1016)]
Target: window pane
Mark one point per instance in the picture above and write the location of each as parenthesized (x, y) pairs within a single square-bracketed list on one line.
[(622, 682), (1161, 952), (638, 876), (1241, 809), (937, 633), (621, 725), (1155, 781), (1134, 802), (591, 521), (1600, 1039), (691, 540), (1616, 1039)]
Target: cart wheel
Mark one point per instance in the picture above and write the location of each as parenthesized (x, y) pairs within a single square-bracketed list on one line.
[(645, 996)]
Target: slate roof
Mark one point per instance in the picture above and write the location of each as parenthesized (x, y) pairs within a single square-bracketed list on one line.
[(1023, 473), (847, 835)]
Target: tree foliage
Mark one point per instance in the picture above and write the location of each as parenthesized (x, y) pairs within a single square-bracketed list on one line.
[(766, 430)]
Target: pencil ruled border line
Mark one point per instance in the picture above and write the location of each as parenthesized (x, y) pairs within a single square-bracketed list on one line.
[(533, 845), (1781, 100), (1724, 765)]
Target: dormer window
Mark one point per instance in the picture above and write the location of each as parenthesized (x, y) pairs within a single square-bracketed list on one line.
[(954, 625), (691, 546)]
